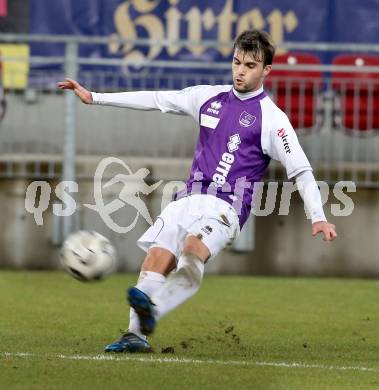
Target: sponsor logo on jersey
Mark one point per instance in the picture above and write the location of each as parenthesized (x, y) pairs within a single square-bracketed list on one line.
[(246, 119), (233, 143), (214, 108), (283, 135), (226, 162)]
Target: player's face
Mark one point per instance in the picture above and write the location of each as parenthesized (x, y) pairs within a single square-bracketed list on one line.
[(248, 72)]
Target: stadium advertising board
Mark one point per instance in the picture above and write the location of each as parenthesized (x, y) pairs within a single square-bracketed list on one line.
[(219, 20)]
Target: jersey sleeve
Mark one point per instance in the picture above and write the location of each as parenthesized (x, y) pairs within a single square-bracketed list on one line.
[(281, 144), (187, 101), (311, 196)]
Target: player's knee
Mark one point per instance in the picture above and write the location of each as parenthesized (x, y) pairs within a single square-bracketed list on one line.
[(193, 245), (159, 260)]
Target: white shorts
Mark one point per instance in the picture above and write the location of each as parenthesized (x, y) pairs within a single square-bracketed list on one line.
[(211, 219)]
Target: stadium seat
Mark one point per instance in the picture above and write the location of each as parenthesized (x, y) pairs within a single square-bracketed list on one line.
[(356, 94), (297, 92)]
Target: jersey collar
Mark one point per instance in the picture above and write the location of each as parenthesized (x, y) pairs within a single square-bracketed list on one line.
[(247, 95)]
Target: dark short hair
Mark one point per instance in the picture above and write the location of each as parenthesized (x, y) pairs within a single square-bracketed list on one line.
[(258, 43)]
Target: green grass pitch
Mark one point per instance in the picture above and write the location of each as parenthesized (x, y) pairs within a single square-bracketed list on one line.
[(236, 333)]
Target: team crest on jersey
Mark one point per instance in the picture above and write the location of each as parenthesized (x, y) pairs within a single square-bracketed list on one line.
[(246, 119), (214, 108)]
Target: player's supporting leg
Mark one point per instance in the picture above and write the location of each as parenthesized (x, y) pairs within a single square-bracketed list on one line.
[(179, 286), (157, 264)]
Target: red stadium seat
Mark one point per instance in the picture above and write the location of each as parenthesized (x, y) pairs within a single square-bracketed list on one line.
[(297, 92), (356, 93)]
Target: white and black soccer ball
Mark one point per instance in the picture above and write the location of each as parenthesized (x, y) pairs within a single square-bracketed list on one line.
[(88, 255)]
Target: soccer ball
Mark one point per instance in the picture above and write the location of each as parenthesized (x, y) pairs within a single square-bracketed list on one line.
[(87, 255)]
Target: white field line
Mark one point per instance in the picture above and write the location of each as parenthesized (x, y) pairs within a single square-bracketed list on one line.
[(152, 359)]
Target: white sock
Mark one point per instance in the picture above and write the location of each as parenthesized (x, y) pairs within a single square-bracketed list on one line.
[(180, 285), (148, 282)]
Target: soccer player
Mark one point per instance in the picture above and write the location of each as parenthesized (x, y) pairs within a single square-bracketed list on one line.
[(241, 129)]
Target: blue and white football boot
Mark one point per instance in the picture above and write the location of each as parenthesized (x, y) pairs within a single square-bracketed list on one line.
[(144, 308), (129, 342)]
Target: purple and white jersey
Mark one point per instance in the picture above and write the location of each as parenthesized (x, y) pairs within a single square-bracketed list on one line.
[(239, 134)]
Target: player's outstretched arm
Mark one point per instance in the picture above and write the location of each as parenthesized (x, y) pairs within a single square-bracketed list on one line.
[(328, 229), (83, 94), (311, 196)]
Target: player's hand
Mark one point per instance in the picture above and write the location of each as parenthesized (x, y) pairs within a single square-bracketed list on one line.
[(328, 229), (83, 94)]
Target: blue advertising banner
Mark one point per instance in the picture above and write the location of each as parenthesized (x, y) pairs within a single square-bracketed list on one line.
[(219, 20), (197, 20)]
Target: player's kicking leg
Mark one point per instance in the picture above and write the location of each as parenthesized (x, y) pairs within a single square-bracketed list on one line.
[(157, 265)]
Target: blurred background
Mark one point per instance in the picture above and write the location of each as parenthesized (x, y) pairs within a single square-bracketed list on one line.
[(326, 78)]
